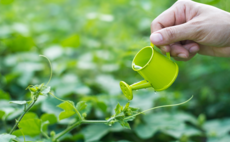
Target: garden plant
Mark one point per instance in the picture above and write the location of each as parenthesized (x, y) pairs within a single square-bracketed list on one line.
[(28, 123), (77, 98)]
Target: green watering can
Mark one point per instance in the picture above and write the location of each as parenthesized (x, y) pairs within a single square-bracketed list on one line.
[(157, 70)]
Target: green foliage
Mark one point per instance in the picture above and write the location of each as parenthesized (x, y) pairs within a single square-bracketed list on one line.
[(29, 115), (7, 138), (91, 45), (123, 115), (19, 102), (30, 127), (69, 110), (81, 106), (37, 90), (2, 113), (4, 95), (49, 117), (72, 41)]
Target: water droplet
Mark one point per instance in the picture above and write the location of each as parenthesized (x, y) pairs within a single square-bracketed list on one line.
[(110, 124)]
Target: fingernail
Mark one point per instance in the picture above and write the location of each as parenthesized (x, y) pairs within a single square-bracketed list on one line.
[(182, 56), (156, 38), (193, 49)]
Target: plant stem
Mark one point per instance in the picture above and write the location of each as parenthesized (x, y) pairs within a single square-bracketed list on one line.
[(45, 135), (75, 125), (4, 124), (50, 68), (94, 121), (104, 121), (158, 107), (20, 118), (66, 131)]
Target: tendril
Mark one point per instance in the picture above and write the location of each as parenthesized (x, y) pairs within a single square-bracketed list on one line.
[(51, 70), (158, 107)]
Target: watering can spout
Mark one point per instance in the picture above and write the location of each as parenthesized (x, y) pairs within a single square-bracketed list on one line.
[(140, 85), (127, 89)]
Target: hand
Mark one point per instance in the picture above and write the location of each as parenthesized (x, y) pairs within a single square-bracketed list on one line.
[(188, 28)]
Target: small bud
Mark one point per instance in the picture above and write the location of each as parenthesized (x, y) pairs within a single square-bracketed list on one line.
[(84, 114), (52, 133)]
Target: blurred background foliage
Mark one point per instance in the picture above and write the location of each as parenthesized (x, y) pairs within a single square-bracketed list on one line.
[(91, 45)]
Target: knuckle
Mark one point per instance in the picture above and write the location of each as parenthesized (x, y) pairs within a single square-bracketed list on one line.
[(153, 22), (198, 30), (154, 25)]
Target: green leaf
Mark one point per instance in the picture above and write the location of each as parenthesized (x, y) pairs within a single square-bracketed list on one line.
[(44, 126), (123, 115), (49, 105), (49, 117), (120, 116), (102, 106), (134, 110), (145, 131), (29, 115), (72, 41), (19, 102), (179, 132), (130, 118), (217, 127), (45, 89), (118, 109), (124, 124), (30, 127), (94, 132), (45, 140), (6, 2), (2, 113), (6, 137), (68, 108), (201, 119), (81, 105), (41, 85), (129, 112), (126, 107), (10, 115), (33, 90), (20, 43), (17, 133), (4, 95)]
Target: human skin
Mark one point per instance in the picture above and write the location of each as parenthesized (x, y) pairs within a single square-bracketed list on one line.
[(188, 28)]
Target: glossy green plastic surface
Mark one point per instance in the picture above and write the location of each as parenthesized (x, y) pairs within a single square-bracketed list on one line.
[(157, 70), (126, 90)]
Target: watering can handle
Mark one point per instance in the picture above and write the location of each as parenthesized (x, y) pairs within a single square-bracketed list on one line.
[(167, 53)]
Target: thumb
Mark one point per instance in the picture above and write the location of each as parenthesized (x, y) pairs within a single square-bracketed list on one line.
[(172, 34)]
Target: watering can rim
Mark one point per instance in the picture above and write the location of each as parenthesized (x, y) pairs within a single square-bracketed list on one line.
[(150, 59)]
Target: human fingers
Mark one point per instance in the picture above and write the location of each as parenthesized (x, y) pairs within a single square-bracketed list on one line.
[(173, 34), (184, 52), (178, 13)]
